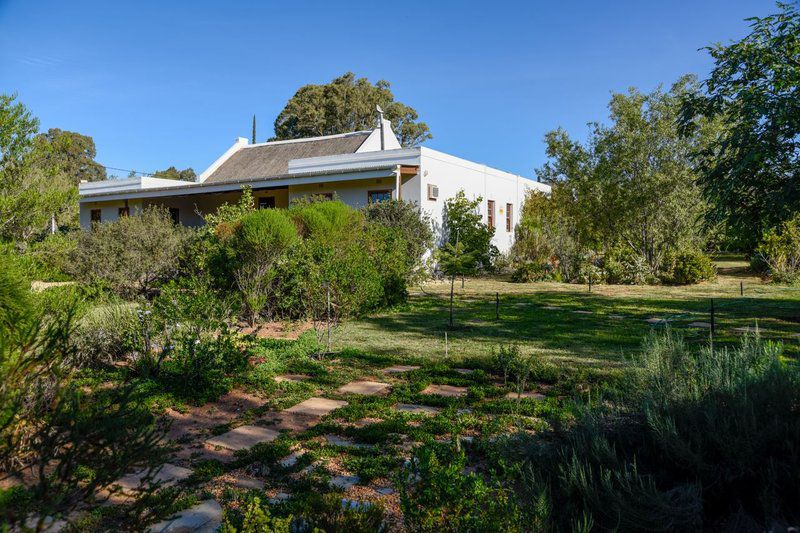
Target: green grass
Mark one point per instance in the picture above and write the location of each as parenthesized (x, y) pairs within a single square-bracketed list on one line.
[(416, 331)]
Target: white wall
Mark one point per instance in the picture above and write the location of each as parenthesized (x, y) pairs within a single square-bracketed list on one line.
[(452, 174)]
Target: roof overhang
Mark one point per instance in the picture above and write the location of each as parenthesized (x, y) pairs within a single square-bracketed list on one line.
[(305, 178)]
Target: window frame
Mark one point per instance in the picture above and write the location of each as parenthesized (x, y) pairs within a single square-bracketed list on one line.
[(509, 217), (490, 215), (263, 199), (123, 212), (95, 219)]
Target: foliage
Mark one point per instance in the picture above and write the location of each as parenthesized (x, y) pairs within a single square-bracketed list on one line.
[(71, 153), (344, 105), (257, 519), (463, 223), (131, 254), (751, 170), (172, 173), (69, 441), (703, 438), (690, 267), (103, 335), (260, 240), (412, 225), (779, 251), (631, 187), (436, 495), (52, 256)]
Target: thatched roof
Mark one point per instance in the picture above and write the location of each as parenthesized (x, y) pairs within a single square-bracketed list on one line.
[(272, 159)]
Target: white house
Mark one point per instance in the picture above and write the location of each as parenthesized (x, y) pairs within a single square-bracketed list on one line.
[(358, 167)]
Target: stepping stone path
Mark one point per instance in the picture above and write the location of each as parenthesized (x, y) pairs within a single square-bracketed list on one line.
[(416, 409), (367, 388), (294, 378), (747, 329), (464, 371), (166, 476), (243, 437), (291, 459), (279, 498), (316, 407), (530, 395), (448, 391), (336, 440), (700, 325), (616, 317), (582, 312), (204, 517), (655, 320), (249, 483), (344, 482), (397, 369), (551, 307), (385, 491), (347, 503)]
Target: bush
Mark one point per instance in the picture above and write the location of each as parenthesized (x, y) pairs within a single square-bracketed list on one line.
[(530, 272), (703, 439), (464, 224), (53, 256), (623, 266), (132, 254), (412, 226), (436, 495), (690, 267), (103, 335), (780, 250)]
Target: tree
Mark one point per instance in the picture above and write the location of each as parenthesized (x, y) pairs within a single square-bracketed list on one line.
[(173, 173), (347, 104), (68, 153), (67, 440), (131, 254), (751, 172), (413, 226), (30, 194), (632, 186), (463, 223), (456, 260)]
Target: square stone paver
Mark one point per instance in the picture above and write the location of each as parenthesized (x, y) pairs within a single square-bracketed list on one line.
[(166, 476), (294, 378), (416, 409), (291, 459), (344, 482), (336, 440), (204, 517), (616, 317), (530, 395), (700, 325), (551, 307), (243, 437), (367, 388), (396, 369), (582, 312), (316, 407), (445, 390), (465, 371), (655, 320)]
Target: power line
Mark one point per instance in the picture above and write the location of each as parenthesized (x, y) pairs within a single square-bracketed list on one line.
[(127, 170)]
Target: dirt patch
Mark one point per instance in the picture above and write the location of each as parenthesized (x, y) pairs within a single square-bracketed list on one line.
[(277, 330)]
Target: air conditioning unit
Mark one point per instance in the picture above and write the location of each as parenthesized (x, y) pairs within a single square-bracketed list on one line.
[(433, 191)]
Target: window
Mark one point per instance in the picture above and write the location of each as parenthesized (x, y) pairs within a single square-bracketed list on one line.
[(490, 216), (96, 215), (175, 214), (326, 195), (373, 197), (509, 217), (123, 211), (266, 202)]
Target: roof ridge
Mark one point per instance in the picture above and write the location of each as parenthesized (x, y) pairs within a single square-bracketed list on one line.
[(307, 139)]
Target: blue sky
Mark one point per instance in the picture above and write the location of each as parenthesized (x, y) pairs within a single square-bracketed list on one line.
[(160, 83)]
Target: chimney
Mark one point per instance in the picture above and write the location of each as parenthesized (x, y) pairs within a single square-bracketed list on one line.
[(380, 121)]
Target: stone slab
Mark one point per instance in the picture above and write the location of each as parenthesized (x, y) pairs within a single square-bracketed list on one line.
[(344, 482), (465, 371), (293, 378), (336, 440), (291, 459), (397, 369), (204, 517), (367, 388), (385, 491), (416, 409), (655, 320), (583, 312), (616, 317), (316, 406), (166, 476), (705, 325), (445, 390), (530, 395), (551, 307), (243, 437), (279, 498)]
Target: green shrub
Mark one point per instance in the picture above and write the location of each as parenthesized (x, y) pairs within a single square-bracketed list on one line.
[(411, 225), (780, 251), (623, 266), (437, 495), (463, 223), (53, 256), (702, 439), (531, 272), (103, 335), (257, 519), (690, 267), (132, 254)]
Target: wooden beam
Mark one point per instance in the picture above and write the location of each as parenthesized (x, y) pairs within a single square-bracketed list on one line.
[(409, 170)]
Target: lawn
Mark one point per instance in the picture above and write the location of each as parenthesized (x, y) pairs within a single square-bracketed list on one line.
[(612, 326)]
